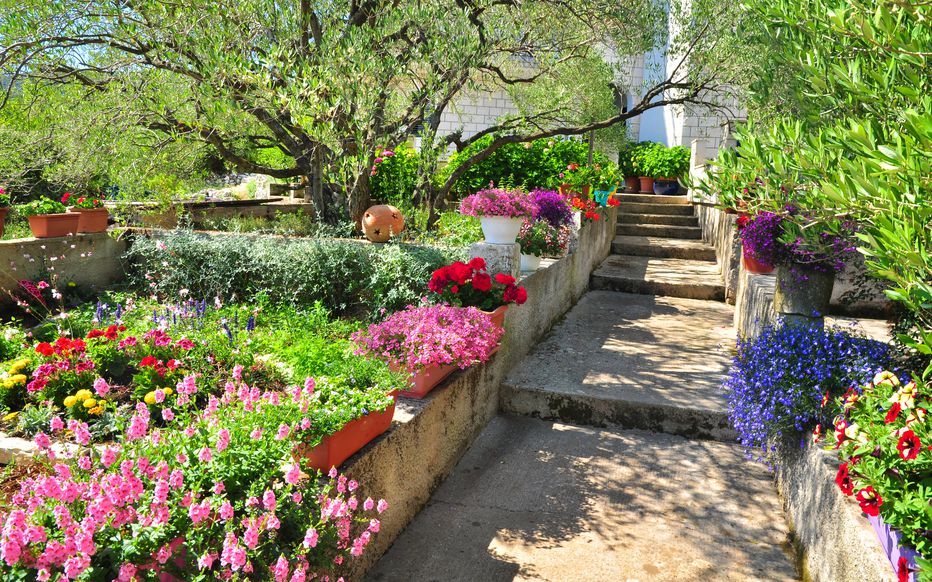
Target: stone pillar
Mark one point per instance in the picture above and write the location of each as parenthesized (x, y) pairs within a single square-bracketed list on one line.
[(498, 258), (575, 226)]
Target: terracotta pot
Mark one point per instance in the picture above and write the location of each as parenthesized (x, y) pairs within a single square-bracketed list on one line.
[(346, 442), (498, 315), (565, 190), (647, 185), (632, 184), (730, 211), (54, 225), (3, 212), (381, 222), (569, 191), (754, 266), (423, 381), (92, 219)]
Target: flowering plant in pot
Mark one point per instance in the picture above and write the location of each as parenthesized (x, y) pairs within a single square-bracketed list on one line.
[(642, 157), (552, 207), (94, 215), (49, 218), (430, 342), (500, 212), (4, 208), (627, 169), (539, 239), (883, 439), (759, 239), (577, 179), (469, 285)]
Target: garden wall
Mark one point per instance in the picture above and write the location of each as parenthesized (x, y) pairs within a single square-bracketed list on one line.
[(90, 261), (834, 541), (428, 437), (203, 214)]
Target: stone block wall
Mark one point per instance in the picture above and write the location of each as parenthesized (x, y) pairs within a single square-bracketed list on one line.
[(89, 261)]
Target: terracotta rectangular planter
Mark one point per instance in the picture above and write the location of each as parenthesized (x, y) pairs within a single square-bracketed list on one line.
[(346, 442), (423, 381), (54, 225), (92, 219), (498, 316)]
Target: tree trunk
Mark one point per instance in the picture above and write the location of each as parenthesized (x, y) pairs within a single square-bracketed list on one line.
[(358, 198)]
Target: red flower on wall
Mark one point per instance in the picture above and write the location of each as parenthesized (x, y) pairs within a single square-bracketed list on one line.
[(870, 501), (843, 480), (909, 445)]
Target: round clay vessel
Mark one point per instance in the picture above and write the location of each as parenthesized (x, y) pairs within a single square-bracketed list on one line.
[(381, 222)]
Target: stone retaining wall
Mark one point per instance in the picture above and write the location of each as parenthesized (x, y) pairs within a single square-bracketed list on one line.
[(428, 437), (90, 261), (834, 541)]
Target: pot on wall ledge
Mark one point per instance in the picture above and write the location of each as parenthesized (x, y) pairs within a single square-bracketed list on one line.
[(335, 448), (802, 293), (422, 381), (91, 219), (54, 225), (632, 184), (500, 230), (529, 262)]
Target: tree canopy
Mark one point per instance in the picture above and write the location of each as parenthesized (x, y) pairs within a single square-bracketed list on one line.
[(311, 89)]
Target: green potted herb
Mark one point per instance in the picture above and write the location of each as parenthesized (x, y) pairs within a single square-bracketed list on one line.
[(627, 169), (93, 214), (49, 218), (4, 208), (643, 160), (668, 165)]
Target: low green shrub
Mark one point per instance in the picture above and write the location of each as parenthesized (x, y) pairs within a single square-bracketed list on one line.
[(395, 175), (534, 165), (343, 275)]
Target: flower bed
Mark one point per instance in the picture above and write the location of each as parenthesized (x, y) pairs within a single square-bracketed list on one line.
[(216, 491)]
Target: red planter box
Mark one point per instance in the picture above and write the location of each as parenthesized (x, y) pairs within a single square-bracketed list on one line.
[(54, 225), (755, 266), (346, 442), (92, 219), (425, 380), (498, 316)]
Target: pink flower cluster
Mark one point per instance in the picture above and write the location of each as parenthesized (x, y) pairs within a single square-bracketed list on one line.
[(499, 202), (434, 335), (177, 515)]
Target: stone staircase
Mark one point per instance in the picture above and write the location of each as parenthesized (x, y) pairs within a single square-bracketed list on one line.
[(659, 251)]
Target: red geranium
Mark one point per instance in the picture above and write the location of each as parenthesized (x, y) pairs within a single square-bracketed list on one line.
[(469, 285), (909, 445), (870, 501), (482, 282), (45, 349), (892, 413), (148, 361)]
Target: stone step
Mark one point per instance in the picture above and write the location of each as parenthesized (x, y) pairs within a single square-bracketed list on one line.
[(671, 248), (534, 500), (660, 276), (660, 230), (651, 208), (635, 361), (652, 199), (663, 219)]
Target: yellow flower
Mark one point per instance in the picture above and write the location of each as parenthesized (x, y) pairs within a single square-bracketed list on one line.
[(18, 365), (168, 391), (886, 378), (70, 401), (18, 379), (90, 403), (10, 416), (150, 398), (83, 395), (96, 411)]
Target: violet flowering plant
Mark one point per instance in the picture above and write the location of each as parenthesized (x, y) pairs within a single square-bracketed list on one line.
[(793, 239), (552, 207), (431, 335), (498, 202), (219, 493)]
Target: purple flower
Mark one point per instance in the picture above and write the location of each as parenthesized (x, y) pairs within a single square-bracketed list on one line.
[(552, 207)]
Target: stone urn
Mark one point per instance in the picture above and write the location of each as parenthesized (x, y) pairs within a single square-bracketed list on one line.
[(381, 222), (802, 293)]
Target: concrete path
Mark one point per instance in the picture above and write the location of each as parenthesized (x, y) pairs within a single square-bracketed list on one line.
[(535, 500), (637, 361)]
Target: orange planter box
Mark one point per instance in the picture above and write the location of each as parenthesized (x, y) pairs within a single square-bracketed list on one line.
[(498, 316), (92, 219), (54, 225), (346, 442)]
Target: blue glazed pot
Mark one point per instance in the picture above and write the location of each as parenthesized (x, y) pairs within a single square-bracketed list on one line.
[(666, 187)]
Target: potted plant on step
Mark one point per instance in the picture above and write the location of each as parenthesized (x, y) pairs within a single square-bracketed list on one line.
[(49, 218), (93, 215), (667, 166), (643, 157), (4, 208), (539, 239), (759, 236), (627, 168), (500, 211), (469, 285), (430, 342)]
